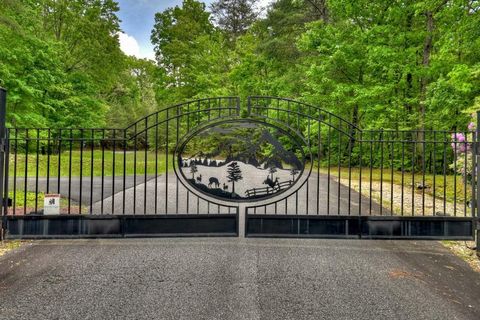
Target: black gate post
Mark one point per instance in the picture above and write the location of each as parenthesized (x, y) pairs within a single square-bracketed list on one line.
[(3, 141), (476, 182)]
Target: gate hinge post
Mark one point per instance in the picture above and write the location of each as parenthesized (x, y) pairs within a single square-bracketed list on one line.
[(476, 148), (3, 144), (477, 234)]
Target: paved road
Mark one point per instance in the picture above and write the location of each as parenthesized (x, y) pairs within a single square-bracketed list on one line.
[(220, 278)]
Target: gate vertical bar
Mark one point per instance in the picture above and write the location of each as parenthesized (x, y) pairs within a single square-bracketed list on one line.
[(6, 172), (476, 182), (3, 141)]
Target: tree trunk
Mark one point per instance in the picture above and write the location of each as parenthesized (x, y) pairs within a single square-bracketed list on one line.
[(427, 50), (353, 130), (355, 118)]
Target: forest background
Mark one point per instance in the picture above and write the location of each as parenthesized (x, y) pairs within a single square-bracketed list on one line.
[(399, 64)]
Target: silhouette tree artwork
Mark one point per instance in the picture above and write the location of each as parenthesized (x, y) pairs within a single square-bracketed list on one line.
[(272, 170), (234, 174), (293, 173), (193, 169)]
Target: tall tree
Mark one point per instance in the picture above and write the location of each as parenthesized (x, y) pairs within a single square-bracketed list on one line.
[(179, 35), (88, 31), (134, 95), (234, 16)]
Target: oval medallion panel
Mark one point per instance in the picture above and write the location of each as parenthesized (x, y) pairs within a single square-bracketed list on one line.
[(241, 160)]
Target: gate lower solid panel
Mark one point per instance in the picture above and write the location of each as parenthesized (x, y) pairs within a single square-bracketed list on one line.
[(78, 226), (360, 227)]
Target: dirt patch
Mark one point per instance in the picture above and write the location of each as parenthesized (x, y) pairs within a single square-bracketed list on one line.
[(401, 274), (407, 200)]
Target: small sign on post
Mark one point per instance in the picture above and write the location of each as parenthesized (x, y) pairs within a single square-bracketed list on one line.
[(51, 204)]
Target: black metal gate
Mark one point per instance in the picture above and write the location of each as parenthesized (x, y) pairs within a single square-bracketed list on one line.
[(370, 183), (209, 167)]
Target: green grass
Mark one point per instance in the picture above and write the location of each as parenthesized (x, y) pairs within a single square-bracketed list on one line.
[(101, 167), (30, 199), (442, 185)]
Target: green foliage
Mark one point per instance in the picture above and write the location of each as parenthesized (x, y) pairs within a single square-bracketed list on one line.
[(62, 66), (377, 64)]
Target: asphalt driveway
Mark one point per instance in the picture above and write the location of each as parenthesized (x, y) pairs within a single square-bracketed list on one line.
[(221, 278), (171, 194)]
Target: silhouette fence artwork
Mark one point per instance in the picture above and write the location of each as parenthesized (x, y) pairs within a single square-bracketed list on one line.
[(255, 192)]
